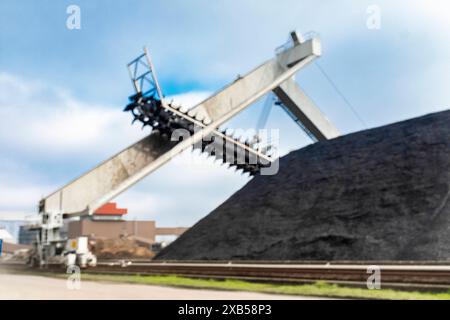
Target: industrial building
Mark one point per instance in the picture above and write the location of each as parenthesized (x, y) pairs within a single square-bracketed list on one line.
[(26, 235), (107, 222)]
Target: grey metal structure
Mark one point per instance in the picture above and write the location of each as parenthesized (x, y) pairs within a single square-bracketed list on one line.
[(304, 112), (90, 191)]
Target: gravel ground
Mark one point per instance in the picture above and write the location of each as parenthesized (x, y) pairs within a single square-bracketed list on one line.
[(14, 286)]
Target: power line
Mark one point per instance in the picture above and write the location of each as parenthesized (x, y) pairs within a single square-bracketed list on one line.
[(339, 92)]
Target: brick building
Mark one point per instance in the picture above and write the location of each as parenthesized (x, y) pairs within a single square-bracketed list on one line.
[(108, 222)]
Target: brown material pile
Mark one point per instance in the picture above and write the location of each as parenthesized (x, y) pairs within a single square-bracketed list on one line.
[(121, 248)]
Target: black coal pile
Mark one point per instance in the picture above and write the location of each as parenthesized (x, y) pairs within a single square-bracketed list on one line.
[(379, 194)]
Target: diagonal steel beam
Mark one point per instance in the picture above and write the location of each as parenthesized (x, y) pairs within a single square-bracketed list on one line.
[(103, 183), (303, 111)]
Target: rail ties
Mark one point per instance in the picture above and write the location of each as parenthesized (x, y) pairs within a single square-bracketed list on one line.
[(416, 274)]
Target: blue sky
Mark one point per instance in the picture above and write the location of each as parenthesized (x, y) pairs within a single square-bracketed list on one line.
[(62, 91)]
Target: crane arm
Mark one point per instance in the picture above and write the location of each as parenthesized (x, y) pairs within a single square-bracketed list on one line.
[(90, 191)]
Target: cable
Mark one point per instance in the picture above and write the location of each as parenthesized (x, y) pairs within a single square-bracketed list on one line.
[(341, 94), (265, 112)]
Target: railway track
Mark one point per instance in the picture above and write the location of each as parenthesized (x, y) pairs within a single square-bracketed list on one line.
[(409, 276), (413, 276)]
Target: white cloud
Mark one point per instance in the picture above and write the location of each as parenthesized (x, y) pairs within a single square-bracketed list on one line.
[(35, 117), (19, 198), (47, 120), (425, 14)]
